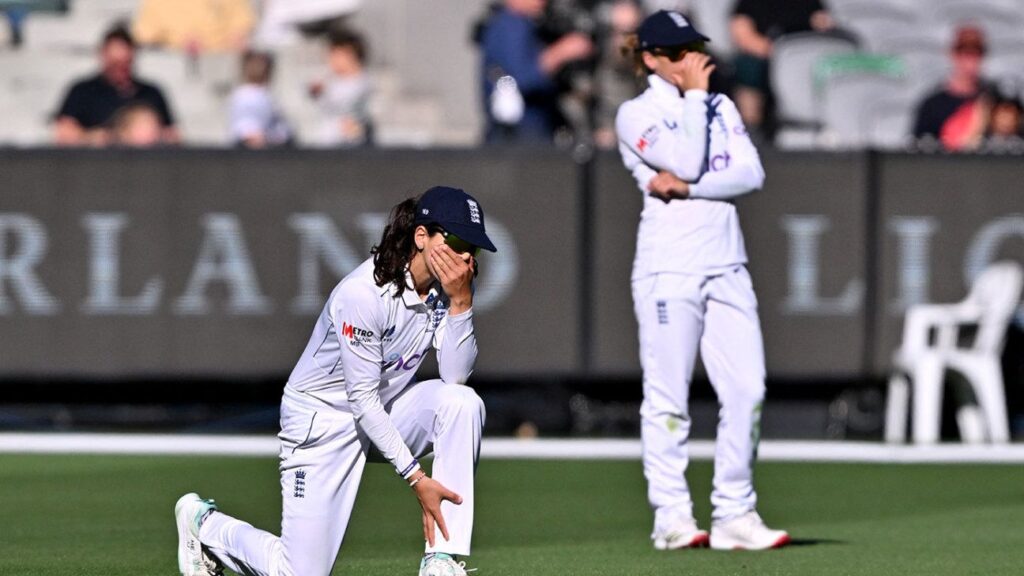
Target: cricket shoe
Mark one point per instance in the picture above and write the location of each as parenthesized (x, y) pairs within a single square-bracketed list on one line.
[(683, 533), (439, 564), (189, 514), (746, 532)]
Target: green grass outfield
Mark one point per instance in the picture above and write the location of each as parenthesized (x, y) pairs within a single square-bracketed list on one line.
[(112, 515)]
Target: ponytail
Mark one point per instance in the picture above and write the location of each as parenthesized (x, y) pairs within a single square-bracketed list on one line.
[(631, 51), (391, 257)]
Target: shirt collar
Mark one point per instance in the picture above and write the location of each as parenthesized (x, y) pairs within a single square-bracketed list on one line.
[(662, 88), (412, 298)]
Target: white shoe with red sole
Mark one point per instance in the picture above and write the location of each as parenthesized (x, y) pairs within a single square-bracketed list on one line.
[(746, 532), (682, 534)]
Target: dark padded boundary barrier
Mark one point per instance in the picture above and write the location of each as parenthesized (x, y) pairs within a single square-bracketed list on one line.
[(215, 263)]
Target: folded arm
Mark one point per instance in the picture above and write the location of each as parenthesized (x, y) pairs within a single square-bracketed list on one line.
[(359, 325), (646, 135)]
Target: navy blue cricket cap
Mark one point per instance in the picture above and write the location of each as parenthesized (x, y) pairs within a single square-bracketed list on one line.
[(456, 212), (667, 28)]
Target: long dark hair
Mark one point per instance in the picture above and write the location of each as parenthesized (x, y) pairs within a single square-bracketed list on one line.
[(391, 256), (631, 52)]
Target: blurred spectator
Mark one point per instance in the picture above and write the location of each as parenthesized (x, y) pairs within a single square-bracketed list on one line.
[(755, 26), (1006, 118), (1005, 130), (16, 12), (255, 121), (956, 114), (15, 16), (616, 81), (282, 20), (520, 94), (344, 95), (195, 26), (84, 116), (137, 125)]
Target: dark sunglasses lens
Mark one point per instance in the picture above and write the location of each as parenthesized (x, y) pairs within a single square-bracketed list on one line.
[(460, 245), (673, 54), (676, 53)]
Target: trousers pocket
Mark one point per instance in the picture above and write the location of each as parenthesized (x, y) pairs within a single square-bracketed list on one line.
[(300, 428)]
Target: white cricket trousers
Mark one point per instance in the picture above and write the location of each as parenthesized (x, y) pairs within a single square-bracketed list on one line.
[(677, 314), (322, 460)]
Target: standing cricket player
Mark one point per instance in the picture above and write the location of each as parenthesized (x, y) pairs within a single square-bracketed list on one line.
[(690, 154), (352, 396)]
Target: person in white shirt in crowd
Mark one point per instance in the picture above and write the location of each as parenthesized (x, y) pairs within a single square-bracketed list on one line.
[(353, 397), (691, 156), (255, 120), (344, 95)]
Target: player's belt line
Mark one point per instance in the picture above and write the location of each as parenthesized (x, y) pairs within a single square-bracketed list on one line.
[(507, 448)]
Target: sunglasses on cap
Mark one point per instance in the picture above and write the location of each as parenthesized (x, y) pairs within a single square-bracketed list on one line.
[(676, 53), (457, 244)]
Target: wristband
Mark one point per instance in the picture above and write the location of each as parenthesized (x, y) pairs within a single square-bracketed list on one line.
[(417, 480), (410, 469)]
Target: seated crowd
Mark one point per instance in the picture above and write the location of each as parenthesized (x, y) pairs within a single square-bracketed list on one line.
[(551, 72)]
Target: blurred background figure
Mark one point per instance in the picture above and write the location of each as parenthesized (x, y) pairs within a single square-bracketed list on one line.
[(137, 125), (282, 22), (255, 120), (90, 104), (615, 80), (957, 112), (1005, 130), (194, 26), (518, 75), (754, 26), (15, 15), (343, 96)]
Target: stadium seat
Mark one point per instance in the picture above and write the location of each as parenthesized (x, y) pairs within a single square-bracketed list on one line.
[(920, 363), (713, 18), (105, 10), (1005, 67), (793, 61), (843, 10), (874, 20), (850, 88), (925, 71), (53, 32), (996, 17), (890, 122)]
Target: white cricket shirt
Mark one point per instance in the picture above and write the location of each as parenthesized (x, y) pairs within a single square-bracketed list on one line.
[(700, 138), (367, 346)]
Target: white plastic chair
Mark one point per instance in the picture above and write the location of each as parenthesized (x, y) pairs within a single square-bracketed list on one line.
[(848, 103), (794, 57), (990, 306)]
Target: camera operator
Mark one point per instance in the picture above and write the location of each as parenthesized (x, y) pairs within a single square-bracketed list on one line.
[(525, 59)]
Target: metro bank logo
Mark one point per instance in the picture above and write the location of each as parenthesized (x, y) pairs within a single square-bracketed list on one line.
[(355, 334)]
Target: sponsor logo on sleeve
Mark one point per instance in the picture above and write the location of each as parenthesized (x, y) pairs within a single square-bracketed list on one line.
[(648, 138), (357, 336)]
